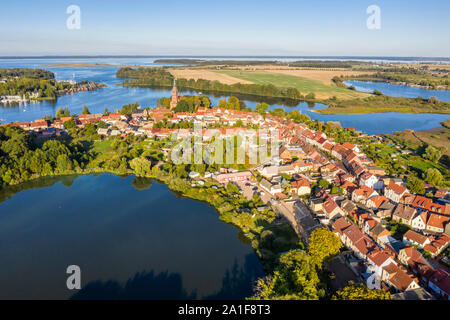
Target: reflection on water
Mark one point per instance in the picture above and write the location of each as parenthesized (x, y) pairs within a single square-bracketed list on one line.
[(237, 283), (125, 233)]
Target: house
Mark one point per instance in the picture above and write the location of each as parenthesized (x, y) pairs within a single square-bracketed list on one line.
[(379, 259), (423, 203), (410, 257), (348, 187), (362, 194), (364, 246), (368, 179), (103, 132), (288, 169), (235, 176), (385, 210), (404, 214), (331, 209), (317, 204), (350, 146), (378, 232), (414, 238), (398, 278), (302, 166), (394, 192), (376, 202), (301, 187), (419, 222), (436, 223), (439, 283), (339, 225), (438, 245), (269, 171), (270, 187), (348, 207)]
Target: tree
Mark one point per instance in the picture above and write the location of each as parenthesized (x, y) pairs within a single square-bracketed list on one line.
[(261, 108), (432, 153), (106, 112), (433, 176), (86, 110), (324, 184), (415, 185), (323, 245), (294, 278), (141, 166), (59, 113), (377, 93), (231, 188), (70, 124), (361, 292)]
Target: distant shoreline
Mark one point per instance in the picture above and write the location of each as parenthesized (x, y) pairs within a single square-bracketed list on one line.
[(348, 57)]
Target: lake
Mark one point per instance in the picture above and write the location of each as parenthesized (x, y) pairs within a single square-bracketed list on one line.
[(396, 90), (114, 97), (132, 238)]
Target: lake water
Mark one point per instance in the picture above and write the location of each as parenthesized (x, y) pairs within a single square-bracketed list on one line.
[(132, 238), (396, 90), (114, 97)]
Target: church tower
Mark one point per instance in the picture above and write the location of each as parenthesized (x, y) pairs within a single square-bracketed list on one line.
[(175, 97)]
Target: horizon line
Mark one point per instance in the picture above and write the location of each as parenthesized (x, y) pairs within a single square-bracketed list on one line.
[(223, 56)]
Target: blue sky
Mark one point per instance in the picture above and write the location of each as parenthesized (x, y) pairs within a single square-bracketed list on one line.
[(246, 27)]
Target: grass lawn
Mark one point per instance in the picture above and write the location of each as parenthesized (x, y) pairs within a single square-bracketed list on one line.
[(102, 146), (304, 85)]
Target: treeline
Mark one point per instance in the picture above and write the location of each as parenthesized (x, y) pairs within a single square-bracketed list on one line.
[(146, 77), (26, 73), (323, 64), (23, 158), (199, 62), (379, 101), (187, 103), (412, 76)]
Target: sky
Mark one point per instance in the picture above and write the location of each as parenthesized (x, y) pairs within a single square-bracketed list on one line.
[(226, 28)]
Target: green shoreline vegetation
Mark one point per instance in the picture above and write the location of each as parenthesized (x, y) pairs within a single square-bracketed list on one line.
[(37, 84), (420, 77), (376, 103)]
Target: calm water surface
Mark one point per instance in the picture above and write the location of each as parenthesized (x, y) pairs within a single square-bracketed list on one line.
[(396, 90), (131, 238)]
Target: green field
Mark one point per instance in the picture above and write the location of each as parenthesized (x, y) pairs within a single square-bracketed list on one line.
[(304, 85)]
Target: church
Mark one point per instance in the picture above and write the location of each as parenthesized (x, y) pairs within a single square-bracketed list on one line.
[(175, 97)]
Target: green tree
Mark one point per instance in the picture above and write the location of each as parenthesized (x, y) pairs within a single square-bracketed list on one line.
[(70, 124), (141, 166), (415, 185), (433, 176), (86, 110), (295, 278), (323, 245), (361, 292), (432, 153)]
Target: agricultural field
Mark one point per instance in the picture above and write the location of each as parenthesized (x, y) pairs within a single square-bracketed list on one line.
[(206, 75), (303, 84)]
